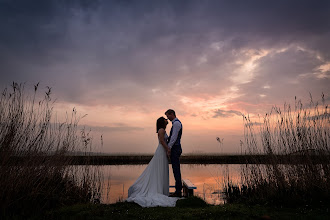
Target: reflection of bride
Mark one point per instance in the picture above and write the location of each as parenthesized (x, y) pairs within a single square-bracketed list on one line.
[(152, 187)]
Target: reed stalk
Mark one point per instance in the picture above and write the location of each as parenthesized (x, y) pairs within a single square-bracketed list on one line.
[(301, 134), (43, 179)]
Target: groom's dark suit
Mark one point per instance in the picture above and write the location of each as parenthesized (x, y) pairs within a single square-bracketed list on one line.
[(176, 151)]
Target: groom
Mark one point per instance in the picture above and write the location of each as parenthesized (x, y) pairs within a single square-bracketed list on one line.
[(174, 143)]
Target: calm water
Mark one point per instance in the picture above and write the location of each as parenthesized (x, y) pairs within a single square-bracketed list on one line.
[(209, 180)]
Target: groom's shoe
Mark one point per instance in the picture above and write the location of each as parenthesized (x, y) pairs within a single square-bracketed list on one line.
[(175, 195)]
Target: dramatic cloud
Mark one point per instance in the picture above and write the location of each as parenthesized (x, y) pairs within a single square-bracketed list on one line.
[(211, 60)]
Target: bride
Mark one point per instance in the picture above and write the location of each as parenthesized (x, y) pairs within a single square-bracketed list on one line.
[(152, 187)]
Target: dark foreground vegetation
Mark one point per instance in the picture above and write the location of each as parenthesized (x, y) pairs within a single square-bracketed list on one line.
[(28, 129), (191, 208), (288, 131)]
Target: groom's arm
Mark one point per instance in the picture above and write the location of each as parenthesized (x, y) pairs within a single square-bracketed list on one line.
[(175, 133)]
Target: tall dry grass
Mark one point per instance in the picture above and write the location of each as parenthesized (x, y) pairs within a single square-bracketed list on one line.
[(35, 175), (302, 134)]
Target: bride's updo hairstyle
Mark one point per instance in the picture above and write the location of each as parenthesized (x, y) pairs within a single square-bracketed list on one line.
[(160, 123)]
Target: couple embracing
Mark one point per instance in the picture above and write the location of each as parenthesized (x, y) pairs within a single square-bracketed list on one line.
[(152, 186)]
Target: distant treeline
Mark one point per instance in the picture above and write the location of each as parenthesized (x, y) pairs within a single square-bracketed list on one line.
[(186, 159)]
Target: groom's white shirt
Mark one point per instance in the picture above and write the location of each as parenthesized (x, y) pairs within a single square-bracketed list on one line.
[(175, 132)]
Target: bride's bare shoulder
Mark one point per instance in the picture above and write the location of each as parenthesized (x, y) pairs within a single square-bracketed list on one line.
[(161, 131)]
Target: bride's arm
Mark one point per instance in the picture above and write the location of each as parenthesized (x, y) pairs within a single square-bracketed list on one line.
[(161, 137)]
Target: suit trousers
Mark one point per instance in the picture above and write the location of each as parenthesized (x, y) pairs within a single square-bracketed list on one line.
[(176, 152)]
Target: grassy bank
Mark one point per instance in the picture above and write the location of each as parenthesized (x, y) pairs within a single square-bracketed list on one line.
[(192, 208)]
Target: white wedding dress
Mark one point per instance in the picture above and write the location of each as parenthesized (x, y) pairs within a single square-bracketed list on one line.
[(152, 187)]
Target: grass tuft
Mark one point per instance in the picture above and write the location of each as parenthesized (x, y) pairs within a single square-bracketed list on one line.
[(191, 202)]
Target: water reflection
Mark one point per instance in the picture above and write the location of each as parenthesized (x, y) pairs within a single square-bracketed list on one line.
[(209, 180)]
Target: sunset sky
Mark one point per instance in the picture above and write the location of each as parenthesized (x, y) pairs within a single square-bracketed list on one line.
[(124, 63)]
